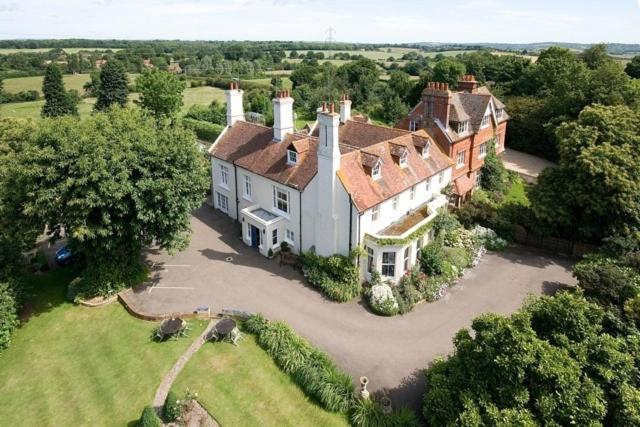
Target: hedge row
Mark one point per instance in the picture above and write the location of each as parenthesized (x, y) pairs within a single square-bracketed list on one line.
[(311, 369), (336, 276), (247, 85), (204, 130), (8, 315)]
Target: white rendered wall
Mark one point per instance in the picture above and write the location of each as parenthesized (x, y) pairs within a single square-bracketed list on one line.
[(228, 190)]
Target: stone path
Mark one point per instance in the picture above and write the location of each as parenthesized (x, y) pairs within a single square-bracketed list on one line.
[(167, 381)]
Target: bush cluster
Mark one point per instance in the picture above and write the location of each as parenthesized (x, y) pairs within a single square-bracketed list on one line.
[(336, 276), (149, 418), (311, 369), (381, 297), (203, 130), (22, 96), (172, 409), (224, 83), (368, 413), (8, 315)]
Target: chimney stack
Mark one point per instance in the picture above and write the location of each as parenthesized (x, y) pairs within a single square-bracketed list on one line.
[(282, 115), (437, 100), (345, 109), (468, 83), (235, 110)]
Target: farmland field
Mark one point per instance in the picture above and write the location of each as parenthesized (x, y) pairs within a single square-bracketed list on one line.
[(31, 110), (66, 49), (71, 81), (377, 55)]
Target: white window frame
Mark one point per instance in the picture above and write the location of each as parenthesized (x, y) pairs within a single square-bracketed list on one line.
[(485, 121), (376, 171), (463, 127), (404, 159), (276, 193), (483, 150), (247, 187), (390, 265), (412, 193), (395, 202), (292, 157), (274, 237), (499, 112), (478, 177), (413, 125), (407, 258), (461, 159), (428, 186), (289, 236), (426, 151), (219, 198), (375, 213), (224, 176), (371, 260)]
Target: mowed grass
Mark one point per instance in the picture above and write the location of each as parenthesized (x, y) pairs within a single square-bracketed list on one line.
[(242, 386), (78, 366), (71, 81), (517, 193), (31, 110)]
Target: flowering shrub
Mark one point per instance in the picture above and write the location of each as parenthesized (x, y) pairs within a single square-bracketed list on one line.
[(336, 276), (489, 238), (382, 300)]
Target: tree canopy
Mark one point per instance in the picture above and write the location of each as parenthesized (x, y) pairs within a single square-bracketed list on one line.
[(160, 93), (114, 183), (113, 89)]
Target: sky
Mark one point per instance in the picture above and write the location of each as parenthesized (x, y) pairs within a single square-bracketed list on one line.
[(374, 21)]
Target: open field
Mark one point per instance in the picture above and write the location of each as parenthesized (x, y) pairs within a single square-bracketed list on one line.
[(31, 110), (237, 394), (66, 49), (286, 82), (71, 365), (71, 81)]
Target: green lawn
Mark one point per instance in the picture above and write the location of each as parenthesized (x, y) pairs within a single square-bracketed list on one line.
[(71, 81), (76, 366), (286, 82), (242, 386), (517, 193), (31, 110)]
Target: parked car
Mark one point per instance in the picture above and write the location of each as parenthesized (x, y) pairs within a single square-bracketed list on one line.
[(64, 256)]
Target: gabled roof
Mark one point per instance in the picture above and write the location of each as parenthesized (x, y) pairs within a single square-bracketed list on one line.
[(361, 134), (366, 192), (251, 146)]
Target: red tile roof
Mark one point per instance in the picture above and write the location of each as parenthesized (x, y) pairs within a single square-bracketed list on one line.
[(462, 185), (251, 146)]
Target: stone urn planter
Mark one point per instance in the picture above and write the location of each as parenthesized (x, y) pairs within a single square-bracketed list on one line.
[(386, 405), (364, 393)]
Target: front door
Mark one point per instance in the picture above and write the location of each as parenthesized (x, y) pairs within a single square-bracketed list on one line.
[(255, 237)]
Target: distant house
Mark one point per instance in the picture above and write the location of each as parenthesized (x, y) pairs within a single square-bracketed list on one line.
[(464, 124), (100, 63), (174, 67), (341, 184), (146, 63)]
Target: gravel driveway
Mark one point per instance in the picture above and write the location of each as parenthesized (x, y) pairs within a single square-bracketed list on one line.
[(392, 352)]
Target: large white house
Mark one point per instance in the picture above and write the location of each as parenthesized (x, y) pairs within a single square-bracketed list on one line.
[(344, 184)]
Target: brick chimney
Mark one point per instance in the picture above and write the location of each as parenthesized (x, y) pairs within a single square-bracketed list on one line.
[(282, 115), (437, 100), (345, 108), (235, 110), (468, 83)]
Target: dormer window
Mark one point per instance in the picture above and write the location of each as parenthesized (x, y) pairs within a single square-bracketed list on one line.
[(426, 151), (403, 159), (463, 127), (376, 171), (292, 157), (499, 113), (485, 121), (413, 125)]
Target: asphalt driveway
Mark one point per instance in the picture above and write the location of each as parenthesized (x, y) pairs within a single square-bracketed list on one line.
[(219, 271)]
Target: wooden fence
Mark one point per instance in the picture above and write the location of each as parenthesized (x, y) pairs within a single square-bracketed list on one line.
[(553, 244)]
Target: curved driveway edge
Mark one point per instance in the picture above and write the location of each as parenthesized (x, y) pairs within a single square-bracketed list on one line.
[(392, 352)]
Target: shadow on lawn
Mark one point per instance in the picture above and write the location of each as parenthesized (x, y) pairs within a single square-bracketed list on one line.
[(46, 291)]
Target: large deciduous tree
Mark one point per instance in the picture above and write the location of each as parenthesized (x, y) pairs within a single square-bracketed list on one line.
[(633, 67), (57, 102), (114, 183), (448, 71), (160, 93), (548, 364), (595, 191), (113, 89)]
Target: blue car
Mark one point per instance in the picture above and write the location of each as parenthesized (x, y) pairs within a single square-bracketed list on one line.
[(64, 255)]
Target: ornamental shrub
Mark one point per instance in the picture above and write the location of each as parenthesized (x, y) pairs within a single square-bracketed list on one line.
[(311, 369), (8, 315), (336, 276), (149, 418), (368, 413), (203, 130), (432, 259), (172, 409), (604, 280), (458, 257), (382, 300)]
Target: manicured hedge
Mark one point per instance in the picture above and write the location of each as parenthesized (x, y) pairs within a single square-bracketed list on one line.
[(336, 276), (311, 369), (8, 315), (149, 418), (204, 130)]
